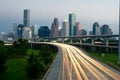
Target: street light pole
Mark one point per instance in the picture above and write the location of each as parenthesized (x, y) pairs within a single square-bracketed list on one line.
[(31, 39), (31, 43)]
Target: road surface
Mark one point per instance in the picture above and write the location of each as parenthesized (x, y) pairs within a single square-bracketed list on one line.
[(73, 64)]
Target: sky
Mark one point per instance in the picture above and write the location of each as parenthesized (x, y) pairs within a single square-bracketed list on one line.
[(42, 12)]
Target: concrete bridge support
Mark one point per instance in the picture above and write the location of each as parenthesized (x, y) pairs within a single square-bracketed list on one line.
[(80, 40), (93, 49), (45, 40), (71, 41), (107, 42), (92, 41), (62, 40)]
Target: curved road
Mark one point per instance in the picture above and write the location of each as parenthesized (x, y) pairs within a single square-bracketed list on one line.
[(73, 64)]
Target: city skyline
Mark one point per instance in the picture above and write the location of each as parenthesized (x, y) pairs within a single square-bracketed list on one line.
[(42, 14)]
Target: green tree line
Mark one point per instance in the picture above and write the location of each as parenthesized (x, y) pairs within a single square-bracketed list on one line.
[(37, 65)]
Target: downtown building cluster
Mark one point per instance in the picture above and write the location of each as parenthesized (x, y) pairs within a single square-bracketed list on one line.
[(69, 27), (22, 31), (73, 28), (100, 30)]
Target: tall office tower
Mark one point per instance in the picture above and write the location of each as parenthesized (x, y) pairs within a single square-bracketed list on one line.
[(60, 32), (106, 29), (84, 32), (78, 29), (72, 24), (27, 33), (20, 31), (65, 28), (101, 28), (110, 31), (56, 22), (90, 32), (15, 27), (96, 29), (54, 28), (44, 31), (34, 30), (26, 18)]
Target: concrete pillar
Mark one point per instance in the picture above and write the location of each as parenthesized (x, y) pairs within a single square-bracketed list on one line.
[(44, 40), (92, 44), (100, 50), (71, 41), (92, 41), (80, 40), (107, 41), (62, 40), (93, 49)]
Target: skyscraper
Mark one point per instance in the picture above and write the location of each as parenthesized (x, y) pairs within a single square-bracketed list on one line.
[(43, 31), (27, 33), (15, 27), (65, 28), (20, 31), (26, 19), (84, 32), (90, 32), (56, 22), (54, 28), (106, 30), (96, 29), (34, 30), (72, 24), (78, 29)]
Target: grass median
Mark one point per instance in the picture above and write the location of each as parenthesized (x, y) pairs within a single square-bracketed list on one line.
[(109, 59)]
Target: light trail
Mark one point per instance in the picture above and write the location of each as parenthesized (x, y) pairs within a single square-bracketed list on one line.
[(76, 65)]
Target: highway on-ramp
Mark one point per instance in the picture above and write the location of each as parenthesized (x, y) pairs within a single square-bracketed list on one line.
[(72, 63)]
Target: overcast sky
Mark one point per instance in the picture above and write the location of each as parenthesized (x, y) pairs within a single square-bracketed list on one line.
[(42, 12)]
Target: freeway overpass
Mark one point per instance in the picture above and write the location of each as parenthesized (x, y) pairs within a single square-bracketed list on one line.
[(92, 37), (93, 45)]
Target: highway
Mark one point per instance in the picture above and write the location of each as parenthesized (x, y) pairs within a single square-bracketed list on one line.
[(72, 63)]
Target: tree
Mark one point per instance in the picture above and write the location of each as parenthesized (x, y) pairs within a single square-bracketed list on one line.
[(35, 67), (10, 51), (21, 47), (2, 57)]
